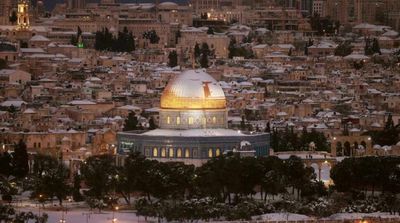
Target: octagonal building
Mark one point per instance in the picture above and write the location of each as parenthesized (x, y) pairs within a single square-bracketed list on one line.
[(192, 125)]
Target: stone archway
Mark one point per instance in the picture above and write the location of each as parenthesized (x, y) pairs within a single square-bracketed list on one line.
[(349, 145)]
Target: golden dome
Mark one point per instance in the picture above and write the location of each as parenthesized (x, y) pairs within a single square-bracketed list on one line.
[(193, 89)]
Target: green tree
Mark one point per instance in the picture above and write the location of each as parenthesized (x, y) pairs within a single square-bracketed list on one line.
[(151, 36), (372, 47), (9, 214), (20, 159), (152, 124), (53, 183), (99, 174), (273, 178), (344, 49), (205, 53), (210, 31), (76, 194), (131, 123), (197, 51), (13, 18), (298, 176), (3, 64), (6, 168), (173, 59)]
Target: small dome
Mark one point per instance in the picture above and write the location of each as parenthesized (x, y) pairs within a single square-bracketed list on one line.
[(168, 5), (193, 89)]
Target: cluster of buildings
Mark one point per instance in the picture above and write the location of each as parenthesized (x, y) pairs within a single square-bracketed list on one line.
[(73, 101)]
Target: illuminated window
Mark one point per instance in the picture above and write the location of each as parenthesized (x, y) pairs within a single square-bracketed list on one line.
[(179, 153), (214, 120), (155, 152), (190, 120), (163, 152), (210, 153), (171, 152), (187, 153), (217, 152), (178, 120), (168, 120)]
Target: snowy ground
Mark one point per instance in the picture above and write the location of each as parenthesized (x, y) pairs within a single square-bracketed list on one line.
[(282, 217), (84, 216)]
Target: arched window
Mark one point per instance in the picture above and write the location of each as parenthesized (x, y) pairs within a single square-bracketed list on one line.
[(178, 120), (171, 152), (210, 153), (168, 120), (214, 120), (179, 153), (155, 152), (204, 121), (190, 120), (163, 152), (187, 153), (217, 152)]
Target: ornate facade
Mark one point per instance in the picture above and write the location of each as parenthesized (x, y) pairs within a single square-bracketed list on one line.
[(193, 125)]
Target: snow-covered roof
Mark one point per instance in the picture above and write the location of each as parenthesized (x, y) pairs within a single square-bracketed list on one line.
[(15, 103), (81, 102), (194, 132)]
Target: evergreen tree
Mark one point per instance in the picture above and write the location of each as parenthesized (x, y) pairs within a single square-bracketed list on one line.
[(232, 48), (197, 51), (205, 53), (13, 18), (375, 47), (210, 31), (152, 124), (151, 36), (20, 159), (344, 49), (243, 124), (177, 36), (6, 167), (76, 194), (3, 64), (372, 47), (173, 59), (131, 123)]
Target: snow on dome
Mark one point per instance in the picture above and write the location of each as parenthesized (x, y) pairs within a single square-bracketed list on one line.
[(376, 125), (376, 146), (398, 143), (356, 57), (391, 33), (29, 111), (168, 5), (245, 143), (39, 38), (193, 89)]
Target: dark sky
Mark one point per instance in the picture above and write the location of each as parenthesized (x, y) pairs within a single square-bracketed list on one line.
[(51, 3)]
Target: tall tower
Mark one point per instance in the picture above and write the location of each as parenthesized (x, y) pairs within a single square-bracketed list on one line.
[(23, 14)]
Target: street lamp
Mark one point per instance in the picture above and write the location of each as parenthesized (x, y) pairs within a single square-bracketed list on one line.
[(114, 220), (40, 201)]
